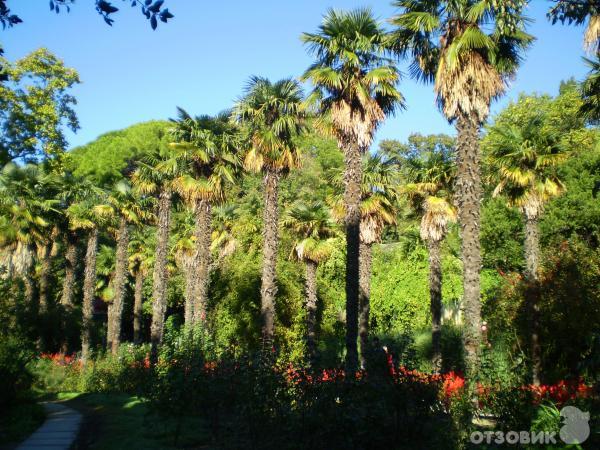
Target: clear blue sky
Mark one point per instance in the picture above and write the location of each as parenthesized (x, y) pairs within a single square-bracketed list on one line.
[(202, 58)]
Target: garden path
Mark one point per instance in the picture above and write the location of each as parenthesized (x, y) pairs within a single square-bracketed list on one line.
[(58, 431)]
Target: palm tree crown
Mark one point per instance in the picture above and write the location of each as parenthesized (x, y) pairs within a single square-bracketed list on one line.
[(271, 114), (468, 48), (209, 145), (314, 229), (525, 159), (354, 81)]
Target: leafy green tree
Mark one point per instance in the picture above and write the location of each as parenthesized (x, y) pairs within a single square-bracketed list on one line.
[(355, 87), (35, 107), (209, 146), (114, 155), (314, 229), (429, 177), (272, 115), (468, 49)]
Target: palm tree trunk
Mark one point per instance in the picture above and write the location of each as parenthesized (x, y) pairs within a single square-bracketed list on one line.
[(268, 289), (137, 306), (66, 300), (469, 196), (160, 277), (28, 254), (435, 297), (366, 251), (89, 290), (71, 255), (311, 309), (532, 250), (352, 194), (203, 257), (114, 328), (188, 265), (45, 277)]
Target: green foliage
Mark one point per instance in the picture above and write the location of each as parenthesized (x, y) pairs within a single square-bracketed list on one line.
[(113, 155), (35, 106)]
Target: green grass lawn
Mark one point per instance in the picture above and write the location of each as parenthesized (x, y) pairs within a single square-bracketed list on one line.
[(123, 422)]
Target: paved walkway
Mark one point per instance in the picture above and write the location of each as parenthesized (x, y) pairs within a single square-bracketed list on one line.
[(58, 431)]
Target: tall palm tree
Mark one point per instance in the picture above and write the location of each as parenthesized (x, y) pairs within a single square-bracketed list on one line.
[(184, 251), (378, 209), (125, 209), (272, 115), (355, 87), (141, 260), (524, 156), (429, 178), (82, 216), (27, 214), (468, 49), (209, 145), (314, 229), (155, 176)]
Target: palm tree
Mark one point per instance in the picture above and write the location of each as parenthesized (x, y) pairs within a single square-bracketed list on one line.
[(429, 178), (141, 260), (184, 251), (314, 229), (590, 91), (468, 49), (272, 115), (209, 145), (525, 155), (82, 216), (578, 12), (27, 214), (378, 209), (154, 176), (124, 207), (355, 88)]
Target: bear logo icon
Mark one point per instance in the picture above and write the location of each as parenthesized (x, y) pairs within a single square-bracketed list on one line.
[(575, 428)]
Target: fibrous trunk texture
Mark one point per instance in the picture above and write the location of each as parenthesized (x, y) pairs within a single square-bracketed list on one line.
[(532, 248), (268, 289), (435, 297), (29, 278), (137, 306), (311, 309), (468, 196), (160, 276), (203, 258), (352, 195), (45, 277), (188, 266), (71, 256), (114, 328), (366, 251), (89, 290)]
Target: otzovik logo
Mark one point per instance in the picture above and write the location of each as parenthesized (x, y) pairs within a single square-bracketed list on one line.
[(575, 430)]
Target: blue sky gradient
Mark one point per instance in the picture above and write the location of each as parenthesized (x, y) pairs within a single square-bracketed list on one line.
[(203, 57)]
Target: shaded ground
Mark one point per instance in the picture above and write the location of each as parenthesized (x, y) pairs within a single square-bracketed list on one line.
[(19, 422), (122, 422)]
